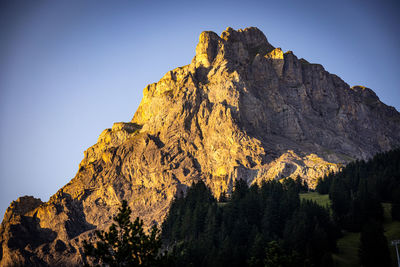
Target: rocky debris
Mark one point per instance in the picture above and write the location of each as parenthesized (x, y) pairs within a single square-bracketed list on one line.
[(241, 109)]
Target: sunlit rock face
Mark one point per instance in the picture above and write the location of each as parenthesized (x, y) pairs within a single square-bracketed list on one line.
[(241, 109)]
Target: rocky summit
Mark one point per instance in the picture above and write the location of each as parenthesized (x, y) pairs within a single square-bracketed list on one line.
[(242, 109)]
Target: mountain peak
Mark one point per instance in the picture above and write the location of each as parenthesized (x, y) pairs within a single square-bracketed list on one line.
[(235, 46), (252, 37), (241, 109), (207, 48)]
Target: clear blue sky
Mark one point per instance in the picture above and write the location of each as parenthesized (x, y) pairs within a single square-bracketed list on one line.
[(69, 69)]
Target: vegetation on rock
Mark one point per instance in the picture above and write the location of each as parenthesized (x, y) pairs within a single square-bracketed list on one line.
[(242, 109), (126, 243)]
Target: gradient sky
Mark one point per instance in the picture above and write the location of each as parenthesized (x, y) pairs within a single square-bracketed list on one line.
[(69, 69)]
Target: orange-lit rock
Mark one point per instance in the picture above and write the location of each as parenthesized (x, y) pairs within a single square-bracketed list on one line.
[(241, 110)]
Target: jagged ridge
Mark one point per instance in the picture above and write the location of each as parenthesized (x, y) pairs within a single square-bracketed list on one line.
[(242, 109)]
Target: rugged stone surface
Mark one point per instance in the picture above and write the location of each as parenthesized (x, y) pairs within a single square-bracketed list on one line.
[(240, 109)]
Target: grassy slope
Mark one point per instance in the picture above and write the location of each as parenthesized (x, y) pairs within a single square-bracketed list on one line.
[(322, 200), (348, 244)]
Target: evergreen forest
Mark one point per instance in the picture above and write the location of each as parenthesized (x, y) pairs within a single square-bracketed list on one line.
[(257, 226), (266, 225), (269, 225)]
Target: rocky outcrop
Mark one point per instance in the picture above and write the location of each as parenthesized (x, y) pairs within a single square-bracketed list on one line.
[(241, 109)]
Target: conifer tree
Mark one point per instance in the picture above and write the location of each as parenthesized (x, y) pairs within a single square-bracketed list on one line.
[(125, 243), (373, 249), (395, 210)]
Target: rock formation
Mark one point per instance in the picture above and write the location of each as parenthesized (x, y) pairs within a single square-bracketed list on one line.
[(241, 109)]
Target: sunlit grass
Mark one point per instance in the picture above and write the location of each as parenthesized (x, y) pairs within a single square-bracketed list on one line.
[(322, 200)]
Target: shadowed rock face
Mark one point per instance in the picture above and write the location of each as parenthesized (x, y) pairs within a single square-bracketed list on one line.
[(241, 109)]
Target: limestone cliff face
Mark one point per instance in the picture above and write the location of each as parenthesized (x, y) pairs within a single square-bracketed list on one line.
[(241, 109)]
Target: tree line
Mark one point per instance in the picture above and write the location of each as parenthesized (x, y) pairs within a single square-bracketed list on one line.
[(357, 193), (257, 226), (266, 225)]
